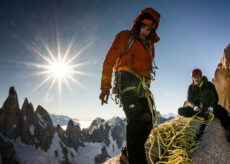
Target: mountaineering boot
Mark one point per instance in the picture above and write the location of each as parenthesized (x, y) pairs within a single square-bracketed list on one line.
[(124, 155)]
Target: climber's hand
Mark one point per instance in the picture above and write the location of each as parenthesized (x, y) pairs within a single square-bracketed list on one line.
[(104, 95), (210, 109), (196, 108)]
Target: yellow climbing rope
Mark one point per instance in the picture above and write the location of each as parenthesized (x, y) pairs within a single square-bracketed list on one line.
[(173, 142)]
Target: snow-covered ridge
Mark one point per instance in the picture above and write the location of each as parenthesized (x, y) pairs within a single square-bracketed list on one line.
[(27, 154), (62, 120)]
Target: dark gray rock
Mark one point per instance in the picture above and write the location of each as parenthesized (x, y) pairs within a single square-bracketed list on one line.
[(74, 135), (28, 122), (7, 151), (101, 157), (214, 147), (9, 116), (63, 135), (118, 132)]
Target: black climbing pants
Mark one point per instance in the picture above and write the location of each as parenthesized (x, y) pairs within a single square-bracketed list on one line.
[(219, 112), (139, 121)]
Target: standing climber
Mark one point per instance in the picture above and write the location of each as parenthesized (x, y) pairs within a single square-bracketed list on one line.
[(202, 97), (131, 56)]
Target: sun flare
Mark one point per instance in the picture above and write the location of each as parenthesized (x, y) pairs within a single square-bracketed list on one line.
[(58, 69)]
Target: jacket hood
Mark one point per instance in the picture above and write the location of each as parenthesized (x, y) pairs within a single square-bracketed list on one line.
[(154, 38)]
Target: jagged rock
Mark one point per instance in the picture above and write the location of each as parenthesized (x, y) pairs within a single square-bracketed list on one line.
[(44, 130), (96, 123), (9, 116), (45, 116), (36, 127), (118, 132), (64, 143), (214, 147), (114, 160), (27, 127), (62, 135), (101, 157), (225, 60), (97, 132), (74, 134), (221, 79), (108, 136), (7, 151), (27, 123)]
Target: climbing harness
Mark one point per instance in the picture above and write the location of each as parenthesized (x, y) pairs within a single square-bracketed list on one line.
[(116, 83), (142, 90)]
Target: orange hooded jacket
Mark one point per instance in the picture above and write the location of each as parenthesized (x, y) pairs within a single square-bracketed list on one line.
[(137, 59)]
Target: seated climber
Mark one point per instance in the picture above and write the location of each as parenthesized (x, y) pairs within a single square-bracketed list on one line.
[(202, 97)]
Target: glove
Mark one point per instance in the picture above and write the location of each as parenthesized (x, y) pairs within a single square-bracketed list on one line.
[(196, 108), (104, 95), (210, 109)]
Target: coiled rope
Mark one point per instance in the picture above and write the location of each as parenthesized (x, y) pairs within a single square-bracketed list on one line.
[(173, 142)]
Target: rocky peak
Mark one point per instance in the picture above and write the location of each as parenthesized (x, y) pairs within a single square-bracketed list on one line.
[(62, 135), (27, 108), (11, 103), (9, 115), (72, 127), (221, 79), (118, 131), (114, 121), (95, 124), (74, 135), (44, 115), (225, 60), (70, 124)]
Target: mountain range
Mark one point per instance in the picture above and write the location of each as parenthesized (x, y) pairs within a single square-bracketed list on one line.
[(35, 136)]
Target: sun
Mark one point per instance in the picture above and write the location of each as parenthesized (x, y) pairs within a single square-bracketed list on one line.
[(58, 67)]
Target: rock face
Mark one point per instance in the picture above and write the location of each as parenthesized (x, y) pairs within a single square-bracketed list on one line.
[(214, 147), (44, 130), (26, 127), (221, 79), (9, 125), (74, 135), (7, 151)]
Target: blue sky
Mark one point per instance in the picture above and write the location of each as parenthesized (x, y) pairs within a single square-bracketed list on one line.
[(193, 34)]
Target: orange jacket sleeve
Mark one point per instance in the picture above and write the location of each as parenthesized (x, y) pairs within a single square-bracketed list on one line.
[(117, 47)]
